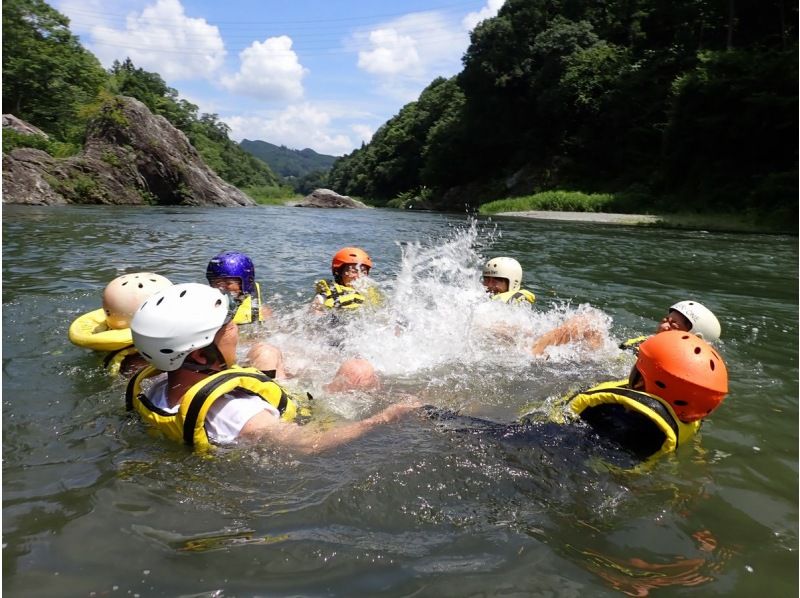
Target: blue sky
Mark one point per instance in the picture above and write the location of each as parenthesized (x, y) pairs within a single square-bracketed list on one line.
[(323, 74)]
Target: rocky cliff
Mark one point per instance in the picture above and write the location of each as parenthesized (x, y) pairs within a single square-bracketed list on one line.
[(131, 156)]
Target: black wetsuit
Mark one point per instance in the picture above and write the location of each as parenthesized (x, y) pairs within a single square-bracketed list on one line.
[(613, 436)]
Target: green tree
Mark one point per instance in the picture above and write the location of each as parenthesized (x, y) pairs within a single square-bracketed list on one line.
[(47, 74), (150, 89)]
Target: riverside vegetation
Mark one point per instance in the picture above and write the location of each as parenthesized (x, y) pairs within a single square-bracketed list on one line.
[(685, 108)]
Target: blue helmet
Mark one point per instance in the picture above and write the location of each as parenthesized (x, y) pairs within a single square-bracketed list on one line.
[(233, 264)]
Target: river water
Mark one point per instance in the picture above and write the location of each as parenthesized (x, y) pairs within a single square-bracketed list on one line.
[(94, 506)]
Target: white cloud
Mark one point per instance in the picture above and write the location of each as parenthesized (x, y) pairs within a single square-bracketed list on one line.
[(407, 53), (393, 53), (297, 127), (269, 70), (162, 38), (490, 10), (363, 132)]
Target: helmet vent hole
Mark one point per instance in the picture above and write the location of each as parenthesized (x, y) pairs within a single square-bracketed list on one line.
[(711, 363), (166, 351), (124, 283), (146, 355), (697, 350), (218, 303), (685, 336), (141, 286), (182, 293), (660, 384), (681, 403), (160, 299)]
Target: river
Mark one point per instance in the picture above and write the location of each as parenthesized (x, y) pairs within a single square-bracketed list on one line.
[(94, 506)]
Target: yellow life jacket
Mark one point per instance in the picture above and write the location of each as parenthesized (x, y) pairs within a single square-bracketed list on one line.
[(339, 296), (187, 424), (249, 309), (660, 430), (91, 331), (632, 344), (519, 296), (114, 360)]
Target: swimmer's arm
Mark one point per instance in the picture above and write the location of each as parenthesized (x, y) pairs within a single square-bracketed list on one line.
[(266, 427), (578, 328), (318, 304)]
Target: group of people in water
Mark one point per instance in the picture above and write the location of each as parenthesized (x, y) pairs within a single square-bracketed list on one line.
[(178, 343)]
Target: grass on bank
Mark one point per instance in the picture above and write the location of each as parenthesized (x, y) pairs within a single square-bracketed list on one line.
[(559, 201), (273, 195), (576, 201)]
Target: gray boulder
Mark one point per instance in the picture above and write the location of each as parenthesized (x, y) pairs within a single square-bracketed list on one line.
[(20, 126), (325, 198)]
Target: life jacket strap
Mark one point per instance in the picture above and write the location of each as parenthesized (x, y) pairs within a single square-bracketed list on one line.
[(199, 400)]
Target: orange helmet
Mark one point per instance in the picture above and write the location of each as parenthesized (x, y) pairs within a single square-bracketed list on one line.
[(685, 371), (350, 255)]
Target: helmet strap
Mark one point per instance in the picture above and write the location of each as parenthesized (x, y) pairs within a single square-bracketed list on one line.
[(213, 357), (635, 378)]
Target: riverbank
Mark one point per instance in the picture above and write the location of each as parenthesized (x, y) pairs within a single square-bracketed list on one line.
[(706, 222), (598, 217)]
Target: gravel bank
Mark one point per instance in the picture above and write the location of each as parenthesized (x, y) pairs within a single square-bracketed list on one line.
[(600, 217)]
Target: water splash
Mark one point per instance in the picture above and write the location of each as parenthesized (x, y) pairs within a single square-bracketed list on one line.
[(438, 331)]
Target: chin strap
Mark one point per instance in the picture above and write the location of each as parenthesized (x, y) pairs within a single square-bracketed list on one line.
[(214, 356)]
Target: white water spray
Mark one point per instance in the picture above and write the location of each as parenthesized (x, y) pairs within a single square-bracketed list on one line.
[(438, 333)]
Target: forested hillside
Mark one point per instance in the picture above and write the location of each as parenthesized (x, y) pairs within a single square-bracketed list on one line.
[(288, 162), (681, 105), (51, 81), (305, 170), (688, 105)]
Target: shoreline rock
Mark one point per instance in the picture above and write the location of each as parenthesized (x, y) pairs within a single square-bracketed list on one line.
[(325, 198)]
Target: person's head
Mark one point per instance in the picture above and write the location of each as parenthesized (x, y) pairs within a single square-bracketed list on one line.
[(123, 296), (186, 326), (349, 264), (232, 272), (501, 274), (694, 317), (684, 370)]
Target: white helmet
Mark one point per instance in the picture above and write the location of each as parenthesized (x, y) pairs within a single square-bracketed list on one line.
[(704, 322), (123, 296), (177, 320), (505, 267)]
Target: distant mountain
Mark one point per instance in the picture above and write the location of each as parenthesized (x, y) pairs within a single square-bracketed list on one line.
[(288, 162)]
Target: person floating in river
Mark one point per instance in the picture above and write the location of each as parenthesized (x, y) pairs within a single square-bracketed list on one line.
[(108, 328), (234, 273), (193, 392), (350, 288), (677, 381), (686, 316), (502, 279)]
